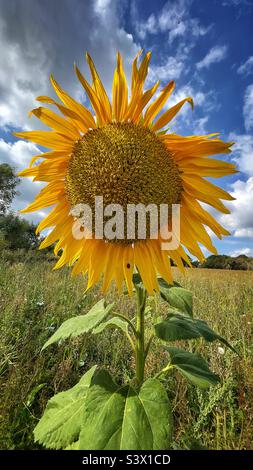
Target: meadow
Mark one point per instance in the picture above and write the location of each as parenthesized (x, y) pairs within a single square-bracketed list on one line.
[(35, 300)]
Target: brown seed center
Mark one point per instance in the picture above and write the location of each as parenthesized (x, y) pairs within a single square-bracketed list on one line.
[(126, 164)]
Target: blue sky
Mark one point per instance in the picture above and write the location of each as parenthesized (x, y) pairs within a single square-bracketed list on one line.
[(205, 46)]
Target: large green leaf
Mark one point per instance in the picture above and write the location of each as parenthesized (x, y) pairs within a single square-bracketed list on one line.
[(112, 323), (118, 418), (178, 326), (176, 296), (156, 404), (80, 324), (61, 422), (193, 367)]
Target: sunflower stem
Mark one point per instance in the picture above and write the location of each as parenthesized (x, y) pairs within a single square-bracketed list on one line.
[(140, 340), (119, 315)]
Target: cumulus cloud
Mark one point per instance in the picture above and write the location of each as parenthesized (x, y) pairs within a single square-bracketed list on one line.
[(174, 19), (171, 69), (216, 54), (244, 233), (18, 155), (248, 108), (241, 218), (242, 251), (246, 68), (243, 151), (39, 38)]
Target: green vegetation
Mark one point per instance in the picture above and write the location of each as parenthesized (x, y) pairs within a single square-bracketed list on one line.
[(241, 262), (17, 233), (8, 183), (35, 301)]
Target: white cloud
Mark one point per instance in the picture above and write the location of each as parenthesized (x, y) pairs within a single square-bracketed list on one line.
[(248, 108), (246, 68), (171, 69), (174, 19), (243, 151), (242, 251), (185, 91), (216, 54), (200, 125), (18, 153), (241, 217), (150, 26), (35, 45), (244, 232)]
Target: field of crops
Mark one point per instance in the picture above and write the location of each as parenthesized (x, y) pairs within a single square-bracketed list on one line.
[(35, 300)]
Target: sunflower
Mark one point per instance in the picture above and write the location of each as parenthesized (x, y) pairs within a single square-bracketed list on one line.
[(121, 151)]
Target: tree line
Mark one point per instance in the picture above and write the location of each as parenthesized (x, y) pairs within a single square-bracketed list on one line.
[(15, 231)]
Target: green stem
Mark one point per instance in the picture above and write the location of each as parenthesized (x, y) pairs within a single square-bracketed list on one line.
[(119, 315), (164, 371), (140, 345), (148, 345)]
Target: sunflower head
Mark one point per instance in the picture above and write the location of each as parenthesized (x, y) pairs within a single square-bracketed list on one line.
[(119, 151)]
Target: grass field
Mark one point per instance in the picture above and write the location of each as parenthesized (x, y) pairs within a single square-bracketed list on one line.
[(35, 301)]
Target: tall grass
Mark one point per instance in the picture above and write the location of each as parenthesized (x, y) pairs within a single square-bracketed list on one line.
[(35, 301)]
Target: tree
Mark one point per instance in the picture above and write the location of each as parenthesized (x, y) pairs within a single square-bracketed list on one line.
[(8, 183), (17, 232)]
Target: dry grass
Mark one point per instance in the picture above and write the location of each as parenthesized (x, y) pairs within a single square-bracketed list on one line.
[(35, 301)]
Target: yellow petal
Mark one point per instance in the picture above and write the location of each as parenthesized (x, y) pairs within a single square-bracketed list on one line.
[(160, 260), (143, 262), (170, 114), (47, 139), (99, 110), (141, 103), (195, 146), (128, 266), (96, 263), (207, 199), (79, 109), (206, 187), (48, 170), (101, 93), (48, 155), (60, 212), (75, 118), (110, 262), (56, 122), (82, 264), (138, 79), (203, 215), (155, 107), (135, 71), (119, 91)]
